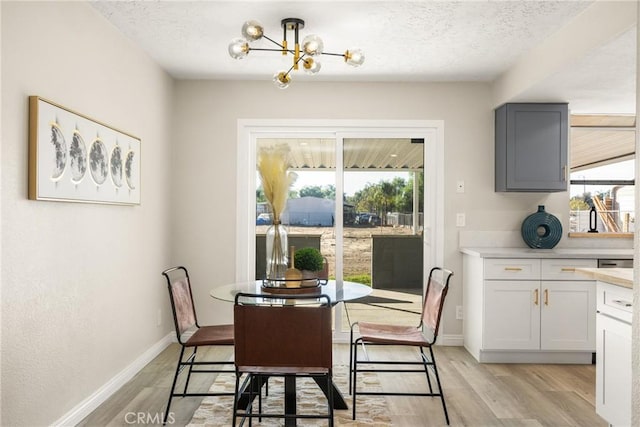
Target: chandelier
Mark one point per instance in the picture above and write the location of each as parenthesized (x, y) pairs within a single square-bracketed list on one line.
[(305, 54)]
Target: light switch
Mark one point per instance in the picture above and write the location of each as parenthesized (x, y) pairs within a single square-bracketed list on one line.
[(460, 220)]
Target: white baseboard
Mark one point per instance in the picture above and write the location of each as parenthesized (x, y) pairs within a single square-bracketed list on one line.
[(89, 404), (450, 339)]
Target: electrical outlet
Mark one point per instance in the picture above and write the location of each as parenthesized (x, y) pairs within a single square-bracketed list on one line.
[(460, 220), (458, 312)]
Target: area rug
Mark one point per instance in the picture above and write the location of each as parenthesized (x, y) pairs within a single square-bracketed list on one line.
[(372, 410)]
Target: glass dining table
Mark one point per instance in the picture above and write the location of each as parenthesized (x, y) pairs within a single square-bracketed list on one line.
[(337, 292)]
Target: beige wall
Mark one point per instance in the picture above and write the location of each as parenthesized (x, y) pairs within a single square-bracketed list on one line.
[(82, 285)]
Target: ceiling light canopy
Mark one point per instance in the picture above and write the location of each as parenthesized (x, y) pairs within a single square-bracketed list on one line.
[(305, 54)]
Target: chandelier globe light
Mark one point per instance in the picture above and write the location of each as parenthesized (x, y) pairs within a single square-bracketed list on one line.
[(305, 53)]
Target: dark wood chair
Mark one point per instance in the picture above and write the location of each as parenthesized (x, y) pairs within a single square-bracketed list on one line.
[(421, 337), (284, 336), (192, 336)]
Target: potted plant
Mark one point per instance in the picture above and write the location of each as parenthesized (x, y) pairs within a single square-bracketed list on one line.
[(310, 261)]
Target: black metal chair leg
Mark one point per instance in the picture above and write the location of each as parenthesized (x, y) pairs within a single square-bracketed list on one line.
[(330, 398), (355, 372), (173, 387), (351, 344), (236, 396), (426, 362), (191, 359), (435, 371)]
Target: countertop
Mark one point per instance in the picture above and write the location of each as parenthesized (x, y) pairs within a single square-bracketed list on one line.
[(617, 276), (595, 253)]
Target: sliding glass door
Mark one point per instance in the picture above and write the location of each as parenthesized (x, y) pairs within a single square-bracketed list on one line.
[(359, 198)]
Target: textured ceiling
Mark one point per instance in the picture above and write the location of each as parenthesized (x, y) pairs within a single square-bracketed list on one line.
[(402, 40)]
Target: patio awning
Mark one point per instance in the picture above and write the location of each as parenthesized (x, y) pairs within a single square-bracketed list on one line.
[(600, 140), (370, 154)]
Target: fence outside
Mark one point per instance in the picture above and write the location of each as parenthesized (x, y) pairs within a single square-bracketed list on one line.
[(579, 221), (402, 219)]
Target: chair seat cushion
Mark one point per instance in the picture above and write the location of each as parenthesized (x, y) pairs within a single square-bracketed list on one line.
[(211, 335), (391, 334)]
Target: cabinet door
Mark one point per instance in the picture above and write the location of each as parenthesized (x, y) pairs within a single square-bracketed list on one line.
[(613, 371), (568, 318), (531, 147), (511, 315)]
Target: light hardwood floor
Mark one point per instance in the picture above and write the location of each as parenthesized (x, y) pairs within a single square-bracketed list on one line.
[(476, 394)]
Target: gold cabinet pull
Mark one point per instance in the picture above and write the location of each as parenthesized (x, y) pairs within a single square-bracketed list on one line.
[(546, 297), (569, 269), (535, 298), (512, 269)]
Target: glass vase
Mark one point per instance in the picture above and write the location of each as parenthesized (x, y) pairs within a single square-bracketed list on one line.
[(277, 260)]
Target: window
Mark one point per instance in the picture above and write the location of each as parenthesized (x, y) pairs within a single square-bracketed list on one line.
[(602, 175)]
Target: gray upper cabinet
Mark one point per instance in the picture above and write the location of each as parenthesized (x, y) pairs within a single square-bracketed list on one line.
[(531, 147)]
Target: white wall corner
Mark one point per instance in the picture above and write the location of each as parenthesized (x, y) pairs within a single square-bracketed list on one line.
[(88, 405)]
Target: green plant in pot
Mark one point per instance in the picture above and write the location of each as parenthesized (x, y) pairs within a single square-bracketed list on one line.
[(310, 261)]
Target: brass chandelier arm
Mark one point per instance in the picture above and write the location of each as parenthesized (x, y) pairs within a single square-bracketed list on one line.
[(293, 52), (282, 47), (294, 64), (275, 42), (269, 50), (332, 54)]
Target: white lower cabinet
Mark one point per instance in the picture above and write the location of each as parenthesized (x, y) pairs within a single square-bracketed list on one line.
[(613, 364), (511, 319), (529, 310), (540, 315), (568, 320)]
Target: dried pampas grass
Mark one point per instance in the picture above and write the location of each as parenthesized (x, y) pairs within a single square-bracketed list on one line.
[(273, 164)]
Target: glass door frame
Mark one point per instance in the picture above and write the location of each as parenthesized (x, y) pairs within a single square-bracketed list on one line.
[(249, 131)]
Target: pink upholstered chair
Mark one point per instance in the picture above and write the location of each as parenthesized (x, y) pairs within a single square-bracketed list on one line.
[(420, 337), (191, 335)]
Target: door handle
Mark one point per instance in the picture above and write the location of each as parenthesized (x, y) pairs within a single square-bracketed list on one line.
[(569, 269), (546, 297), (512, 269), (535, 298)]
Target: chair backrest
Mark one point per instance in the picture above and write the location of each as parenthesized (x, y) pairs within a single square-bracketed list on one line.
[(184, 312), (437, 288), (278, 331)]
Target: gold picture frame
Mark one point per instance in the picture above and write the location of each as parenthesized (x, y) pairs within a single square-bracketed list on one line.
[(74, 158)]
